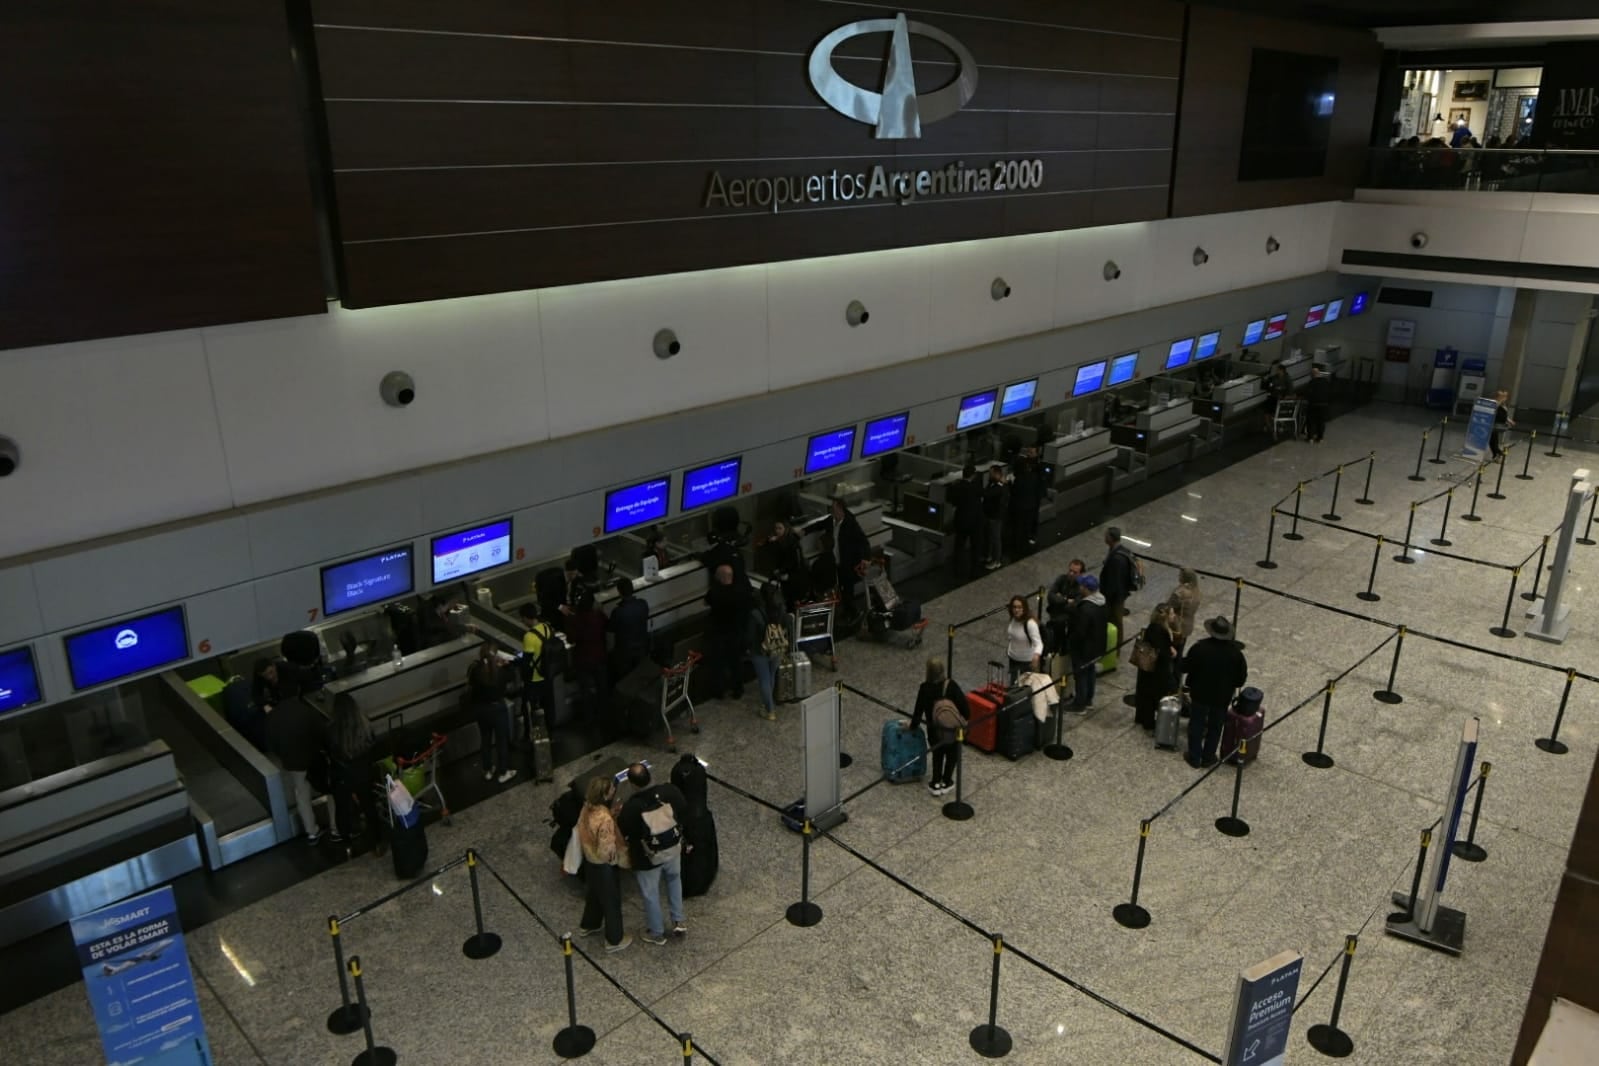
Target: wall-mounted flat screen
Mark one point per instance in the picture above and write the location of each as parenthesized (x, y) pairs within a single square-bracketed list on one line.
[(1089, 378), (1017, 398), (471, 551), (710, 484), (1357, 303), (380, 576), (976, 409), (1334, 309), (122, 649), (1276, 326), (1179, 353), (1254, 331), (1207, 345), (637, 505), (1315, 316), (827, 450), (1288, 115), (1122, 368), (884, 434), (19, 681)]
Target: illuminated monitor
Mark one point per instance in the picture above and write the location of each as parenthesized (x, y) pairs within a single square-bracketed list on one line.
[(1122, 368), (705, 485), (1179, 353), (1357, 303), (380, 576), (109, 653), (1017, 398), (1207, 345), (1089, 378), (976, 409), (884, 434), (1253, 332), (637, 505), (827, 450), (19, 681), (471, 551), (1315, 316), (1334, 309), (1276, 326)]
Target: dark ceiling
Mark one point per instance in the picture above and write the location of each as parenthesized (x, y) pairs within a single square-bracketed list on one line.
[(1374, 13)]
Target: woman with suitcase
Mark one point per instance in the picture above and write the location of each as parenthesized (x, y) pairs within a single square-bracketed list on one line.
[(1154, 655), (1024, 645), (936, 690)]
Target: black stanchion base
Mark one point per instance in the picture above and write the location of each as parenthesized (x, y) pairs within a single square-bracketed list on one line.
[(1334, 1043), (1058, 752), (574, 1042), (1502, 632), (1383, 695), (1497, 496), (1293, 536), (1319, 759), (481, 946), (1369, 597), (804, 915), (1233, 827), (1553, 455), (1471, 518), (1333, 517), (1365, 502), (1266, 564), (1529, 596), (378, 1056), (1466, 851), (844, 760), (347, 1020), (1585, 540), (1415, 477), (1525, 477), (1407, 560), (990, 1041), (1548, 744), (1442, 542), (1439, 462), (958, 811), (1130, 916)]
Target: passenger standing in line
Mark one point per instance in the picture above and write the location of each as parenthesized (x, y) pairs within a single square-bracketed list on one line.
[(1185, 600), (589, 658), (630, 630), (1160, 681), (295, 731), (1026, 491), (538, 689), (769, 638), (1502, 422), (1086, 642), (349, 746), (485, 684), (965, 500), (1024, 645), (996, 501), (785, 563), (649, 822), (850, 551), (1216, 670), (265, 689), (1117, 577), (1317, 396), (935, 699), (1063, 593), (602, 854), (729, 604), (549, 588)]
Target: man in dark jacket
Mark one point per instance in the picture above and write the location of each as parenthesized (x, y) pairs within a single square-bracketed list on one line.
[(850, 550), (785, 564), (1026, 492), (665, 805), (1086, 640), (1317, 396), (996, 502), (729, 602), (630, 626), (295, 731), (965, 500), (1215, 669), (1063, 593), (1116, 576)]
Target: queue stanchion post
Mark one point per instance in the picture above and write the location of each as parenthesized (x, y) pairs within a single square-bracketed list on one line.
[(1421, 454), (1058, 749), (575, 1040), (1389, 695), (686, 1040), (480, 945), (949, 653), (1438, 453), (1409, 913), (1410, 526), (1230, 824), (1329, 1039), (1587, 532), (1332, 514), (1499, 480), (1554, 449), (1370, 596), (991, 1041), (1131, 915), (1238, 599), (375, 1053), (957, 809), (1293, 532), (845, 759), (1319, 758), (1472, 515), (1271, 535), (1365, 499), (1503, 630), (1469, 850), (1442, 539), (346, 1018), (1537, 575), (805, 913), (1552, 744), (1526, 460)]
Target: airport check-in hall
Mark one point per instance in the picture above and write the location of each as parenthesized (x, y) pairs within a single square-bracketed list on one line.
[(786, 531)]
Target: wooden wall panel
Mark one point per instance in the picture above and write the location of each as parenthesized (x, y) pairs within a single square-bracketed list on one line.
[(491, 145), (156, 175)]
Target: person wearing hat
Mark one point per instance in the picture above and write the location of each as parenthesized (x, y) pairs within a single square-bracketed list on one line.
[(1317, 395), (1215, 669), (1085, 640)]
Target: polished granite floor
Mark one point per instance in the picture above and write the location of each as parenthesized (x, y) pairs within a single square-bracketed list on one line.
[(893, 974)]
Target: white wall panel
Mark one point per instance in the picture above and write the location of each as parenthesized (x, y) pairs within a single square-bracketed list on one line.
[(1081, 292), (20, 616), (963, 312), (358, 519), (1563, 238)]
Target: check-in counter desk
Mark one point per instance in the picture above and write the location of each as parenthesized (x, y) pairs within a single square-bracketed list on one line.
[(417, 695), (1080, 462), (91, 835), (1234, 406), (1163, 433)]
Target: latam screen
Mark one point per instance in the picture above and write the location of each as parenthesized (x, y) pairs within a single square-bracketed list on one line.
[(1276, 326), (637, 505), (1089, 378), (19, 681), (1179, 353), (471, 551), (885, 434), (122, 649), (1122, 368), (828, 450), (706, 485), (976, 409), (1207, 345), (1357, 303), (1253, 332), (1315, 316), (380, 576), (1017, 398), (1334, 309)]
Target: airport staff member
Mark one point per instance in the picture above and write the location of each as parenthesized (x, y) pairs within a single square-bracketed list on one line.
[(630, 627), (850, 549)]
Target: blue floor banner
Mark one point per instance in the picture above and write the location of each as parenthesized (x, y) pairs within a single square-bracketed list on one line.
[(136, 972)]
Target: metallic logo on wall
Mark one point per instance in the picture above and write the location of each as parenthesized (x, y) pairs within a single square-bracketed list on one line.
[(897, 112)]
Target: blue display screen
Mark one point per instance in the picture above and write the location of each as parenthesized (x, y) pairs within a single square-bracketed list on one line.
[(123, 649), (637, 504), (471, 551), (1334, 309), (976, 409), (1357, 303), (346, 586), (1207, 345), (1122, 368), (1017, 398), (1179, 353), (1253, 332), (711, 484), (19, 681), (827, 450), (1089, 378), (884, 435)]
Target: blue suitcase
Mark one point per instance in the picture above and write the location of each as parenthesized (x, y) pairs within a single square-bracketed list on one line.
[(904, 751)]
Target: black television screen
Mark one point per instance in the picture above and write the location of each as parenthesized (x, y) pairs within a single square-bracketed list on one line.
[(1288, 115)]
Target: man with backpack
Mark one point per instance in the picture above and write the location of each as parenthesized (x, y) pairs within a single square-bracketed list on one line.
[(543, 658), (1120, 576), (649, 824)]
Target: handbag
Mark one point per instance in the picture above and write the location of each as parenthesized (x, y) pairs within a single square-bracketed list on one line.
[(400, 801), (572, 861), (1144, 655), (776, 643)]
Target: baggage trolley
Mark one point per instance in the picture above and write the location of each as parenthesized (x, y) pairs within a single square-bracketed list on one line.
[(674, 694), (813, 630), (1288, 419), (428, 760), (881, 599)]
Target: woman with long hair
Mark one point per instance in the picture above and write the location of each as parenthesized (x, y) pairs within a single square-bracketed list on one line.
[(602, 854), (349, 747), (1157, 681), (942, 705), (1184, 601), (1024, 645)]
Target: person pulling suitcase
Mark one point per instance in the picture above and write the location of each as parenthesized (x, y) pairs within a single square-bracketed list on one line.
[(1215, 669)]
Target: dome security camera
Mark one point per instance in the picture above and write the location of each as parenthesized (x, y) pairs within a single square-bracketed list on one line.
[(10, 457), (1112, 271), (1000, 289), (1272, 245), (1201, 257), (1418, 239), (666, 344), (397, 389), (856, 314)]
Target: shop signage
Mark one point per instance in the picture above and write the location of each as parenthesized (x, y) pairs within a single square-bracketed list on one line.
[(1401, 338), (1568, 99), (897, 112), (877, 183)]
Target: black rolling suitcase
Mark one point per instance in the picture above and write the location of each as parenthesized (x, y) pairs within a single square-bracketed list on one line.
[(409, 847), (701, 857), (1017, 732)]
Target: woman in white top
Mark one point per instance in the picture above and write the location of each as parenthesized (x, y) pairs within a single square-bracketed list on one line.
[(1023, 645)]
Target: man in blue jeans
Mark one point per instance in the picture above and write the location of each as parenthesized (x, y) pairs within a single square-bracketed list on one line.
[(1085, 639), (1215, 669), (655, 845)]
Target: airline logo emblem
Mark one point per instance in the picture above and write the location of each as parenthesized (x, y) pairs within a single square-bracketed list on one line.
[(897, 112), (126, 639)]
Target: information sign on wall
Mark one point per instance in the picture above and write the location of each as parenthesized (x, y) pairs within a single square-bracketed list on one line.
[(1401, 338)]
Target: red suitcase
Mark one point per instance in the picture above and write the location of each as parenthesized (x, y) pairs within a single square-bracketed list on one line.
[(982, 724), (1245, 721)]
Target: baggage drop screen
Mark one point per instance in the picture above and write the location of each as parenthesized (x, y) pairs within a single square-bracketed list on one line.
[(637, 505), (19, 681), (471, 551), (381, 576), (1253, 332), (976, 409), (1207, 346), (705, 485), (1122, 368), (885, 435), (122, 649), (827, 450)]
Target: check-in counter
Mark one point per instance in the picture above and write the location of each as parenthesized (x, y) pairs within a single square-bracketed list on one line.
[(1162, 432), (1234, 406), (417, 694), (1080, 461)]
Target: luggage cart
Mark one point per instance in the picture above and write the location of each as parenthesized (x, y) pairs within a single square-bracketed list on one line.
[(674, 695), (428, 760), (813, 630), (881, 601), (1289, 418)]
